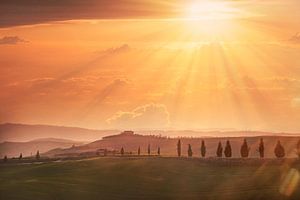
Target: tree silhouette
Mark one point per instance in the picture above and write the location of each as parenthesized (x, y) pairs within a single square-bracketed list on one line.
[(219, 150), (158, 151), (298, 148), (227, 150), (21, 156), (279, 150), (5, 158), (37, 156), (245, 149), (149, 150), (179, 148), (261, 148), (203, 149), (139, 151), (122, 151), (190, 152)]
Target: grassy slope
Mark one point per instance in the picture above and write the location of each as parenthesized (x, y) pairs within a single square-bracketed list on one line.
[(146, 178)]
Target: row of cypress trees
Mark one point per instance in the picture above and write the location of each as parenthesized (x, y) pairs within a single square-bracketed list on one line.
[(37, 156), (279, 150), (139, 150)]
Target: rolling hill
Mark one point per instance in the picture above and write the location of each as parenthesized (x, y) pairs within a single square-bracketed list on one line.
[(149, 178), (131, 142), (13, 149)]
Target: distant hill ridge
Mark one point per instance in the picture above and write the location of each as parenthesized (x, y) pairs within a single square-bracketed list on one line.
[(25, 132), (13, 149), (130, 142), (52, 140)]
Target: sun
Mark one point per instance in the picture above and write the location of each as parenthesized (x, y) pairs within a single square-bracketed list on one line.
[(199, 10), (215, 20)]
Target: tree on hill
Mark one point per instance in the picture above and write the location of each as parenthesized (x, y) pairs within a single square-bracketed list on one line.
[(227, 150), (37, 156), (5, 158), (279, 150), (139, 151), (261, 148), (298, 149), (21, 156), (149, 150), (219, 150), (179, 148), (203, 149), (158, 151), (122, 151), (245, 149), (190, 152)]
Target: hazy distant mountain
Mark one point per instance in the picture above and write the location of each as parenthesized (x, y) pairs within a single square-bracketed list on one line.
[(131, 142), (13, 149), (23, 132)]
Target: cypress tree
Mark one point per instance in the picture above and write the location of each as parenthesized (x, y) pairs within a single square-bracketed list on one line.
[(227, 150), (219, 150), (21, 156), (37, 156), (190, 152), (203, 149), (298, 148), (245, 149), (139, 151), (179, 148), (158, 151), (261, 148), (149, 150), (279, 150), (122, 151)]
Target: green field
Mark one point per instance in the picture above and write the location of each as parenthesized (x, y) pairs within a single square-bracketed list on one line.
[(148, 178)]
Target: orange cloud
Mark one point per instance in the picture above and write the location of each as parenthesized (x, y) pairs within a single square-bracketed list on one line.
[(121, 49), (295, 38), (9, 40)]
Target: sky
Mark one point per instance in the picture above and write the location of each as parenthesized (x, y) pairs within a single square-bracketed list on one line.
[(164, 64)]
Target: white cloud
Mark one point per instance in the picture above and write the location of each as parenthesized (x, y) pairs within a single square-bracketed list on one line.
[(154, 116)]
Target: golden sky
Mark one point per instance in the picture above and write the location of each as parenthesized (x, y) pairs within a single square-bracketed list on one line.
[(151, 64)]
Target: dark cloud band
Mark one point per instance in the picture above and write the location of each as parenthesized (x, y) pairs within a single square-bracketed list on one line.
[(20, 12)]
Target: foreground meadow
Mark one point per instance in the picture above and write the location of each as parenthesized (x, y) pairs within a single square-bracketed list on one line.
[(149, 178)]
